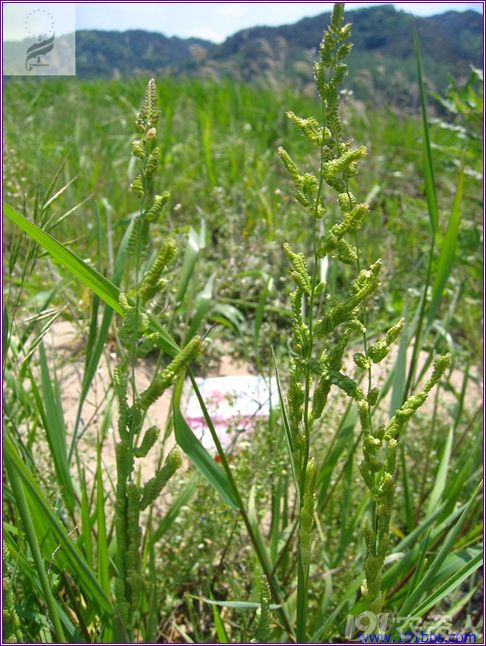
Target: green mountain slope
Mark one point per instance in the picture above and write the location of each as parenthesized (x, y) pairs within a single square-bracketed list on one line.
[(382, 63), (113, 53)]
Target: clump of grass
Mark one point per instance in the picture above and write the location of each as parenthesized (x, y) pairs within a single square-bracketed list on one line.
[(124, 615), (323, 326), (137, 341)]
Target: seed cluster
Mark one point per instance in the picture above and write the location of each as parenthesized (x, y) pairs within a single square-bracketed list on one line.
[(322, 324), (137, 339)]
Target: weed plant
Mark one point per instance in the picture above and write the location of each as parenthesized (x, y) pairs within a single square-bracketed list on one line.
[(320, 344)]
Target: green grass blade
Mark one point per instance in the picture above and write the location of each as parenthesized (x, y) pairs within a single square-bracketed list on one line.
[(53, 181), (448, 250), (23, 508), (440, 479), (79, 568), (430, 192), (286, 426), (253, 518), (451, 584), (422, 563), (102, 544), (98, 284), (204, 302), (412, 549), (195, 244), (444, 551), (167, 521), (407, 496), (85, 519), (196, 452), (275, 526), (219, 626), (431, 196), (6, 333), (56, 429), (227, 315), (60, 254), (342, 439), (55, 197)]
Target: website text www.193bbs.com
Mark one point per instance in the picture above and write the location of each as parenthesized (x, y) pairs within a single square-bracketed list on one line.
[(422, 637), (389, 628)]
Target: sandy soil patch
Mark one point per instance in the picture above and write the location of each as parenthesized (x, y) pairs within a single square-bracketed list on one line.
[(65, 348)]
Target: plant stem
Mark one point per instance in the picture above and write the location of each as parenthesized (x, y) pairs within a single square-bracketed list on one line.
[(262, 557), (302, 571), (373, 515), (24, 512)]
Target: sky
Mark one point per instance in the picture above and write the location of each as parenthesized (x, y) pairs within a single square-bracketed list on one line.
[(212, 21), (216, 21)]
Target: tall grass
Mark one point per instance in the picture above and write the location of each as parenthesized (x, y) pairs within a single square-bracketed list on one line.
[(331, 520)]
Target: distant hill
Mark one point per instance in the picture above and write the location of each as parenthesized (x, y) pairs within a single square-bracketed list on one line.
[(382, 63), (111, 54)]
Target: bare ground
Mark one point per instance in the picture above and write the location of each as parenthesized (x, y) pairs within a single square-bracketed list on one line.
[(65, 349)]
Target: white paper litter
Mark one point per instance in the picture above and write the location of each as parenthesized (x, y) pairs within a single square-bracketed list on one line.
[(235, 404)]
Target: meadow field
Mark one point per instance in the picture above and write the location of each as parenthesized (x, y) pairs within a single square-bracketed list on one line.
[(228, 236)]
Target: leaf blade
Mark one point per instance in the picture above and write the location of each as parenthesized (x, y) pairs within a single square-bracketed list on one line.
[(197, 454), (430, 191), (448, 250)]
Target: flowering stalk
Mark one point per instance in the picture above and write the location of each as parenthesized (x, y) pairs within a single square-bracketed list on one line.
[(378, 469), (131, 497), (321, 334)]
